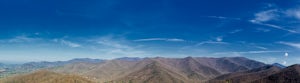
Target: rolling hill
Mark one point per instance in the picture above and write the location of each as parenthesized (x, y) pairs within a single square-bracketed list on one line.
[(246, 76), (13, 69), (266, 74), (152, 73), (169, 70), (148, 70), (290, 74), (46, 77)]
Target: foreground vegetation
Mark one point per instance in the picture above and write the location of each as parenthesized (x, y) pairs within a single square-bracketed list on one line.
[(45, 77)]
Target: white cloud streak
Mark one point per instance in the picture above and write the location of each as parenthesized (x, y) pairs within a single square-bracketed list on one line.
[(116, 46), (247, 52), (222, 17), (296, 45), (160, 39), (272, 15), (264, 16), (71, 44), (111, 42), (219, 39), (210, 42), (20, 39), (273, 26), (295, 13), (260, 47), (235, 31), (67, 43)]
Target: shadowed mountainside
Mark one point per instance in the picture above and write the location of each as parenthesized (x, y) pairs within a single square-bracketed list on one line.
[(246, 76), (290, 74), (266, 74)]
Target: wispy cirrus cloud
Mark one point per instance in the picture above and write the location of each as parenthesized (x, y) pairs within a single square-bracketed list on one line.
[(219, 39), (160, 39), (116, 46), (210, 42), (24, 39), (20, 39), (296, 45), (274, 26), (222, 17), (246, 52), (216, 40), (260, 47), (236, 31), (295, 13), (265, 16), (108, 41), (67, 43)]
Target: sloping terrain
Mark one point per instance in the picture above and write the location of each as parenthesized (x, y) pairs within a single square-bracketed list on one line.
[(153, 73), (246, 76), (187, 70), (102, 72), (150, 70), (14, 69), (189, 67), (266, 74), (290, 74), (46, 77)]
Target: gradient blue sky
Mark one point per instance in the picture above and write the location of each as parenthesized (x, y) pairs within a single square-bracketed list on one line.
[(51, 30)]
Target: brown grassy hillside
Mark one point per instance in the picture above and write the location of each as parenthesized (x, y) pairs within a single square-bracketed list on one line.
[(46, 77), (153, 73)]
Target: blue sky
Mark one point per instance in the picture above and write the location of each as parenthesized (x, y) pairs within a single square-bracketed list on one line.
[(51, 30)]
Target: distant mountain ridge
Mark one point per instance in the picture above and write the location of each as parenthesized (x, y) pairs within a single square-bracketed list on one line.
[(187, 70), (130, 58), (165, 70), (32, 66), (173, 70), (279, 65), (44, 64)]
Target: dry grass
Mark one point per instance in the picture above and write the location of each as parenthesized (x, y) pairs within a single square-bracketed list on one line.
[(45, 77)]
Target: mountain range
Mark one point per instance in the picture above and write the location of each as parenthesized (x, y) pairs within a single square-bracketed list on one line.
[(11, 69), (189, 69), (266, 74), (163, 70)]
